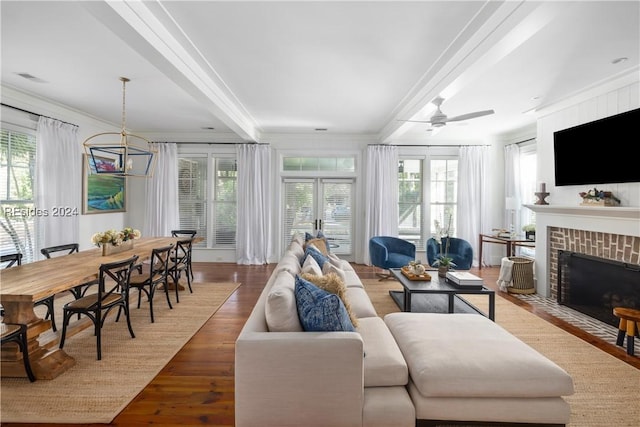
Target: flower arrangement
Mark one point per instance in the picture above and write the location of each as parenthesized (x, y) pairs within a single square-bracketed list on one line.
[(598, 195), (115, 237), (444, 260)]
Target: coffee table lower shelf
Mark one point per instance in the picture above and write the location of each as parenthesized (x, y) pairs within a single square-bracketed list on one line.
[(435, 303)]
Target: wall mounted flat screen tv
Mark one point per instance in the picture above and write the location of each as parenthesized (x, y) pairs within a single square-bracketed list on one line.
[(598, 152)]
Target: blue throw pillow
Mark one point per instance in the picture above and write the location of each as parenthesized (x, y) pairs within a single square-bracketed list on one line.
[(316, 254), (319, 310)]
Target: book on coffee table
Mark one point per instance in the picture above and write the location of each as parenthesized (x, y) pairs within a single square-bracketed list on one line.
[(464, 278)]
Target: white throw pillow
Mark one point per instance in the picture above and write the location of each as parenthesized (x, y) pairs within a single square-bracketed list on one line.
[(280, 310), (330, 268), (311, 266)]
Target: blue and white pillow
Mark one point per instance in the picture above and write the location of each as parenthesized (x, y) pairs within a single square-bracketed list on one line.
[(316, 254), (319, 310)]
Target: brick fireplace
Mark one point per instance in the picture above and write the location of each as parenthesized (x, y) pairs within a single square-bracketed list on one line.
[(608, 232), (609, 246)]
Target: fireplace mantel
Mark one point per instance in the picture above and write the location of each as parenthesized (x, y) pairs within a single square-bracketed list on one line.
[(618, 220), (597, 211)]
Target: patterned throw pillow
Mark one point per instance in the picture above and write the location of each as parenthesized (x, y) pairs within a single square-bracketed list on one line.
[(331, 282), (316, 254), (319, 310)]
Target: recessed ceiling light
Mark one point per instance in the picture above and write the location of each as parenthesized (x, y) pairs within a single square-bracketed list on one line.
[(208, 128), (619, 60), (31, 77), (320, 129)]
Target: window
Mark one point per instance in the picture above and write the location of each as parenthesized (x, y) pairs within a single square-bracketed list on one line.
[(410, 201), (192, 195), (418, 210), (224, 202), (319, 164), (207, 189), (528, 187), (17, 163), (444, 194)]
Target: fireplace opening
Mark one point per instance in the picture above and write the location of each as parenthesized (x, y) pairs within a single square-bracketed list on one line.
[(594, 286)]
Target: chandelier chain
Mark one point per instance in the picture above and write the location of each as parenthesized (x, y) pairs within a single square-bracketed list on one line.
[(124, 84)]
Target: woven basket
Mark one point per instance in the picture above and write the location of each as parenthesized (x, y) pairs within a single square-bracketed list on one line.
[(522, 276)]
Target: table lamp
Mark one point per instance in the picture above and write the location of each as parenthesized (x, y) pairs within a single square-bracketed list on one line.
[(511, 204)]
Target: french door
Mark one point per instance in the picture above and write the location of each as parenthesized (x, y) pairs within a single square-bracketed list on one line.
[(319, 204)]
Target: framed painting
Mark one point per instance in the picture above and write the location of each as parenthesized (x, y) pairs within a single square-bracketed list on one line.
[(102, 193)]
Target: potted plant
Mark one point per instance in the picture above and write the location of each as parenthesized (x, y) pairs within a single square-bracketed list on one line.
[(529, 231), (444, 262)]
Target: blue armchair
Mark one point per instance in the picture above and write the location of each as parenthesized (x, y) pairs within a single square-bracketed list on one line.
[(459, 249), (390, 252)]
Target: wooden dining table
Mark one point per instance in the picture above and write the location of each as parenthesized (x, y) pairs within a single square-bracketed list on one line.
[(22, 285)]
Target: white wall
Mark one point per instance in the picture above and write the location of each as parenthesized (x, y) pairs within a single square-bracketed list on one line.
[(87, 126), (607, 100)]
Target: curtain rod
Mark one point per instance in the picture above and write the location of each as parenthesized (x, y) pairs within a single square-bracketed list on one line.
[(36, 114), (432, 145), (523, 141), (210, 143)]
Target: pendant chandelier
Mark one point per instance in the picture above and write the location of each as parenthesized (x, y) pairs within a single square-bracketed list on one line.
[(132, 155)]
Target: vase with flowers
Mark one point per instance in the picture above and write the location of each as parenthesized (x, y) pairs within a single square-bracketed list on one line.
[(113, 241), (444, 262)]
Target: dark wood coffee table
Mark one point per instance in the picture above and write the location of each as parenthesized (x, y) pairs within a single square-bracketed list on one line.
[(438, 285)]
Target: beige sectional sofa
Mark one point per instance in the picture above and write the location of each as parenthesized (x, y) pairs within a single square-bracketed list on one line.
[(287, 377), (388, 372)]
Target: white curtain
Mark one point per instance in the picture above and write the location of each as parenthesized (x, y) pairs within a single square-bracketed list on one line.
[(472, 191), (513, 198), (161, 209), (381, 196), (253, 228), (58, 183)]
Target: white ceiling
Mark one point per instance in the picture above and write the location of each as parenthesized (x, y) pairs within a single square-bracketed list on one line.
[(262, 68)]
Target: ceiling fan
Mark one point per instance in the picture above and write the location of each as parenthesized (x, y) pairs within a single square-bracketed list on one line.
[(439, 119)]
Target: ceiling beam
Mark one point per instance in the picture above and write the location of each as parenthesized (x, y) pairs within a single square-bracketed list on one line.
[(496, 31), (152, 32)]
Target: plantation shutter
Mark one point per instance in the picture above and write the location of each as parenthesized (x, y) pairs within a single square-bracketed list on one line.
[(192, 195), (224, 204)]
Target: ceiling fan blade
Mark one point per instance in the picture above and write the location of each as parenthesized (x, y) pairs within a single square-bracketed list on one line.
[(415, 121), (470, 116)]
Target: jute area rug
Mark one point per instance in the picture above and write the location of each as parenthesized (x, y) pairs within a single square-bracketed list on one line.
[(607, 389), (95, 391)]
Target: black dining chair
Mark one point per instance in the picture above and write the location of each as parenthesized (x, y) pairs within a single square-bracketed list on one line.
[(186, 234), (113, 291), (68, 249), (154, 273), (78, 291), (9, 260), (181, 262), (16, 259), (17, 333)]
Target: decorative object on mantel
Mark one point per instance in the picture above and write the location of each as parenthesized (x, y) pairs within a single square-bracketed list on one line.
[(529, 231), (542, 195), (113, 241), (597, 197)]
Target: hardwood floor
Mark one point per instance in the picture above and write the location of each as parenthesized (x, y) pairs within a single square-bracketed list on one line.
[(197, 386)]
